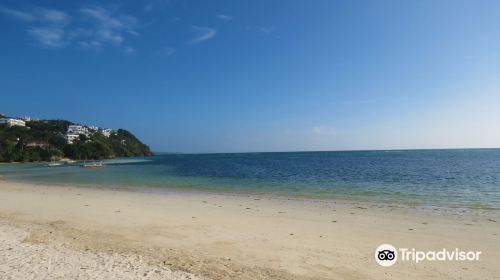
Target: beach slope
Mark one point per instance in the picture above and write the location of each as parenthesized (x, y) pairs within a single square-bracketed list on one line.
[(62, 232)]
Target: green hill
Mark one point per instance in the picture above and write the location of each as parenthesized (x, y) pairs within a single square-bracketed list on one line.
[(43, 140)]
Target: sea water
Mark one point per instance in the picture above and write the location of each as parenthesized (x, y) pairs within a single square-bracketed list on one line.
[(468, 178)]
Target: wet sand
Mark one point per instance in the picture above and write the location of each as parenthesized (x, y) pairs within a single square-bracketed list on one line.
[(62, 232)]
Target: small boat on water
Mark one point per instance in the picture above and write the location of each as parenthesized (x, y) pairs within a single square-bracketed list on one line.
[(92, 165), (53, 163)]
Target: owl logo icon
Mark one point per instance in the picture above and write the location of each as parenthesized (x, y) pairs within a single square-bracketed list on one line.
[(386, 255)]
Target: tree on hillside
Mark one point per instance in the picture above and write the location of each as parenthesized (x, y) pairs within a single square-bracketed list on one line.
[(41, 140)]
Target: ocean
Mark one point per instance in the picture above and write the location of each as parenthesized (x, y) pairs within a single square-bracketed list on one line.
[(468, 178)]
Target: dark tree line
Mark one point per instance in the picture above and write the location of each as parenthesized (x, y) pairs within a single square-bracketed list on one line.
[(43, 140)]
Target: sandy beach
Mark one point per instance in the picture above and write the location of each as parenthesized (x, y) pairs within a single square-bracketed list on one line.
[(69, 232)]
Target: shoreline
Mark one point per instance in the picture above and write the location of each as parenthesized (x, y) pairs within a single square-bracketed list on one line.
[(348, 200), (216, 236)]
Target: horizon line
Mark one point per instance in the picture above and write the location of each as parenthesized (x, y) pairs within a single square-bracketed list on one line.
[(323, 151)]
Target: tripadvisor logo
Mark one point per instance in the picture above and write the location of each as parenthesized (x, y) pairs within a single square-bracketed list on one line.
[(387, 255)]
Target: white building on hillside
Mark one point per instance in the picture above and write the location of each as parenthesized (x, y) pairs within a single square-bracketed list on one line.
[(74, 132), (12, 122), (70, 138), (106, 132), (77, 129)]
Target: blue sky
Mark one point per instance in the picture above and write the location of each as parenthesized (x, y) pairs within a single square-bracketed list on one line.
[(238, 76)]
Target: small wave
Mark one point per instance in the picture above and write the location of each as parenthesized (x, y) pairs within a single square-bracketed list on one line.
[(124, 161)]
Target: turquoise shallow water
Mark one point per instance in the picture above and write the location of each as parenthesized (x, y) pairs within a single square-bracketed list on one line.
[(446, 178)]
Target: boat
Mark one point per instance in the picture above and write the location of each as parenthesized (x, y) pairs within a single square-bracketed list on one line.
[(53, 163), (92, 165)]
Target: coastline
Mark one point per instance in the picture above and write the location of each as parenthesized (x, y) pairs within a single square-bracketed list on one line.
[(302, 176), (339, 199), (219, 236)]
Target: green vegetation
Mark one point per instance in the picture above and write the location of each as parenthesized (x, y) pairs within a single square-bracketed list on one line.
[(43, 140)]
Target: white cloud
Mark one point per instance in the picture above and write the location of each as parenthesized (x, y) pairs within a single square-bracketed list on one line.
[(18, 15), (166, 52), (267, 29), (106, 28), (51, 37), (38, 15), (95, 28), (203, 34), (94, 45), (224, 17), (323, 130), (45, 26), (104, 19), (129, 50), (107, 35), (53, 16), (156, 4)]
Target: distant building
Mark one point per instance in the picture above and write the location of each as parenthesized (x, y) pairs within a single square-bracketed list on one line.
[(106, 132), (12, 122), (37, 144), (77, 129), (74, 132), (70, 138)]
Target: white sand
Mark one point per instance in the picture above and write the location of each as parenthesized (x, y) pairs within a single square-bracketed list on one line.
[(25, 260), (124, 234)]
